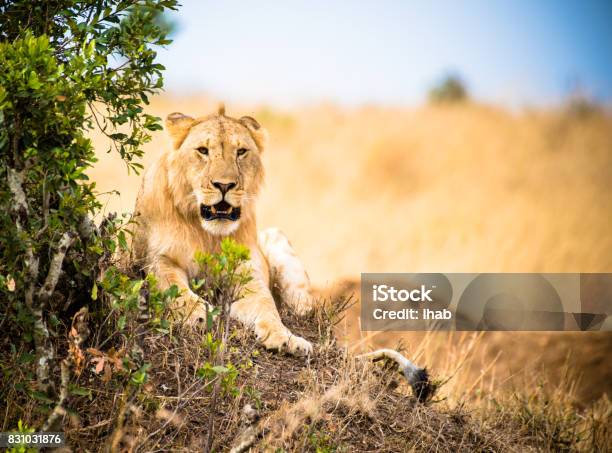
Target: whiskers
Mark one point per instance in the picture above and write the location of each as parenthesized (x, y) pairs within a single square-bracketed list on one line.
[(248, 199)]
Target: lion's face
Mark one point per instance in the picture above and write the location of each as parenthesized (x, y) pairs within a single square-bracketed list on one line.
[(217, 161)]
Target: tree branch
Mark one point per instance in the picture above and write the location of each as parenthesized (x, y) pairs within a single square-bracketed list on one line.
[(45, 207), (87, 228), (20, 202), (78, 334), (21, 211), (44, 351), (55, 268), (37, 301), (15, 142)]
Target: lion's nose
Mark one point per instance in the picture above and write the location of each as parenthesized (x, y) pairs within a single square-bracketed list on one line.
[(224, 187)]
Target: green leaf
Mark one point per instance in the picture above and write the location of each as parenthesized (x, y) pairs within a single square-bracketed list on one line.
[(210, 317), (40, 396), (80, 391), (94, 291), (33, 81), (122, 241), (137, 286), (26, 357), (140, 377)]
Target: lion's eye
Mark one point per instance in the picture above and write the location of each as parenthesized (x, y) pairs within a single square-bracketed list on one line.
[(242, 151), (203, 150)]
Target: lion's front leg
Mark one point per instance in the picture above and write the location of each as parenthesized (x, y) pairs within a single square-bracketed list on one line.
[(287, 271), (258, 311), (188, 306)]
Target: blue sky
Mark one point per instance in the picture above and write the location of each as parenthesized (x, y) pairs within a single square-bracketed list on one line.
[(354, 52)]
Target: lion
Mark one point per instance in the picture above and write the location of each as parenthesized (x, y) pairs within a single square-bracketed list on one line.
[(201, 190)]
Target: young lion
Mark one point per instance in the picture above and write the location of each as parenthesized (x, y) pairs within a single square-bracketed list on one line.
[(197, 193)]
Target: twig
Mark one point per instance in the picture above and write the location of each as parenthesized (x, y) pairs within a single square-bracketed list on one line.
[(96, 426), (251, 435), (227, 298), (59, 410), (180, 396)]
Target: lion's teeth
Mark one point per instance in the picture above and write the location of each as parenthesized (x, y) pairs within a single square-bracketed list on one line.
[(231, 208), (213, 209)]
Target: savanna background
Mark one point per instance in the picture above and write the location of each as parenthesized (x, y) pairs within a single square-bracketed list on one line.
[(405, 137), (419, 138)]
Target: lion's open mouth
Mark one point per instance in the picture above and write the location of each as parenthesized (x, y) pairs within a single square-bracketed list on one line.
[(222, 210)]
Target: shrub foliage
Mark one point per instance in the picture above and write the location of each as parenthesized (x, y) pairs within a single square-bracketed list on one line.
[(68, 67)]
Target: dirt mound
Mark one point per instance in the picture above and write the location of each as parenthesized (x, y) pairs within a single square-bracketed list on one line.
[(257, 400)]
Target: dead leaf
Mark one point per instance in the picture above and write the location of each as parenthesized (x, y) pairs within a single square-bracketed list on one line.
[(108, 374), (95, 352), (99, 361)]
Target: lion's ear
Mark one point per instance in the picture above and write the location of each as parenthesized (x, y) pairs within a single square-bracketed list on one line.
[(259, 134), (177, 126)]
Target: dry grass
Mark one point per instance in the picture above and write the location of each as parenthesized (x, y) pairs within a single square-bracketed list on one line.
[(333, 402), (469, 188)]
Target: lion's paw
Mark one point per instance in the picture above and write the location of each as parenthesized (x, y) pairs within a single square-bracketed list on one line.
[(282, 340), (196, 310), (199, 314), (299, 346)]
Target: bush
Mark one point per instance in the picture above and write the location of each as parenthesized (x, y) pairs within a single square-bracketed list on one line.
[(580, 107), (67, 67), (451, 89)]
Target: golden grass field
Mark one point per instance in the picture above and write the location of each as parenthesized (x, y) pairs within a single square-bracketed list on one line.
[(462, 188)]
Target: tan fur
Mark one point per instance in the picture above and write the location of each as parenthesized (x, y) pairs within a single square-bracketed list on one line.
[(169, 228)]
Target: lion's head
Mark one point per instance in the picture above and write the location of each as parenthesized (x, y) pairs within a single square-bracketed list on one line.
[(216, 166)]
